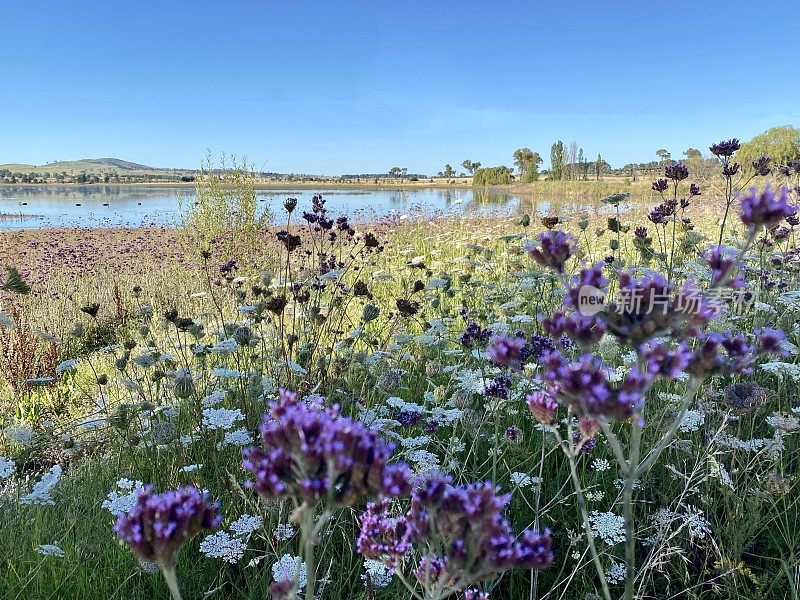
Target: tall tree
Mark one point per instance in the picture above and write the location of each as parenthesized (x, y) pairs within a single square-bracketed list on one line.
[(781, 144), (598, 167), (524, 158), (557, 160), (394, 172), (467, 164), (663, 154), (448, 171)]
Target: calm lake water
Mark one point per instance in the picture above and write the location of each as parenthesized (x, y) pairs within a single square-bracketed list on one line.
[(135, 206)]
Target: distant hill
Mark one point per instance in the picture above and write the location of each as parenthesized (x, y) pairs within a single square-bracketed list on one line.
[(91, 170), (88, 165)]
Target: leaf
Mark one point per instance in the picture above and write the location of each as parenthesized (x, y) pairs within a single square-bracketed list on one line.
[(14, 282)]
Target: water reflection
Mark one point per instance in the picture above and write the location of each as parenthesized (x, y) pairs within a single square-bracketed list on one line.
[(133, 206)]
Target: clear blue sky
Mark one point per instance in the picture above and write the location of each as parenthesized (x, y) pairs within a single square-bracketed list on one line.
[(341, 87)]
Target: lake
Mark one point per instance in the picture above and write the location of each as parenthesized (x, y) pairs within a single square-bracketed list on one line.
[(136, 206)]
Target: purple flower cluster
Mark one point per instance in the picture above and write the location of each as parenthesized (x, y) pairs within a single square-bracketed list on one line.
[(583, 384), (507, 351), (726, 148), (160, 524), (314, 454), (461, 530), (555, 248), (474, 335), (660, 185), (651, 306), (722, 260), (767, 207), (730, 353), (543, 406), (584, 330), (676, 171)]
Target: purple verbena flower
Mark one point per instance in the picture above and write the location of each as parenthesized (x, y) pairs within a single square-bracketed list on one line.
[(543, 406), (507, 351), (676, 171), (766, 208), (725, 148), (553, 250), (660, 185), (465, 524), (761, 166), (160, 524), (313, 454)]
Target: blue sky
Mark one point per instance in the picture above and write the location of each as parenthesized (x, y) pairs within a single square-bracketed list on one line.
[(342, 87)]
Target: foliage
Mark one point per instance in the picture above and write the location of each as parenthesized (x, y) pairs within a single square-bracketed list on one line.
[(781, 144), (226, 201), (492, 176)]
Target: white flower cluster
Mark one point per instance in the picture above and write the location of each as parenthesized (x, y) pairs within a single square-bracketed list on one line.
[(600, 465), (284, 532), (213, 398), (50, 550), (223, 546), (246, 525), (286, 569), (231, 548), (221, 418), (123, 499), (692, 518), (608, 526), (376, 575), (230, 373), (190, 468), (40, 494), (402, 406), (18, 435), (692, 420), (783, 421), (237, 437), (6, 467), (224, 347), (615, 573), (423, 461)]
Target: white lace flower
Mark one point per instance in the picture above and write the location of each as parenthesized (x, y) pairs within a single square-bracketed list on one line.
[(221, 545), (600, 465), (615, 573), (213, 398), (18, 435), (6, 467), (286, 569), (40, 494), (190, 468), (223, 372), (221, 418), (284, 532), (692, 420), (123, 499), (376, 574), (245, 525), (609, 526), (238, 437), (50, 550)]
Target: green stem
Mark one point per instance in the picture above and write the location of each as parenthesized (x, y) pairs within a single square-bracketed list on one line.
[(568, 447), (308, 551), (172, 583), (627, 510)]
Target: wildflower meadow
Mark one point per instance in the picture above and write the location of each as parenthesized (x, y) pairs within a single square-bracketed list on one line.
[(597, 401)]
